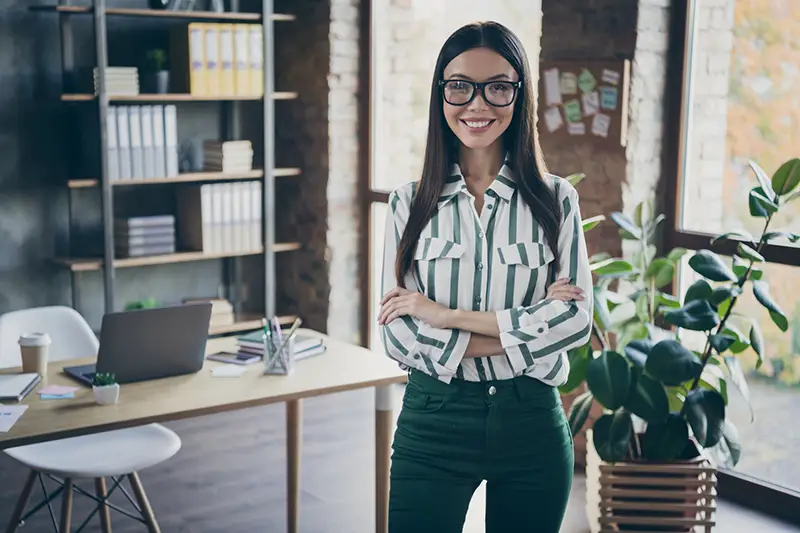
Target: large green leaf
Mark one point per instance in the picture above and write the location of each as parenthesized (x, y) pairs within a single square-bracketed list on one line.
[(740, 267), (590, 223), (622, 313), (788, 235), (672, 363), (579, 411), (757, 342), (739, 381), (609, 379), (705, 412), (763, 180), (733, 235), (601, 313), (697, 315), (721, 294), (669, 301), (579, 360), (575, 179), (676, 254), (749, 253), (699, 290), (761, 292), (714, 378), (626, 224), (613, 268), (710, 266), (637, 351), (787, 177), (728, 450), (665, 441), (632, 331), (760, 205), (675, 396), (662, 271), (721, 342), (611, 436), (647, 398)]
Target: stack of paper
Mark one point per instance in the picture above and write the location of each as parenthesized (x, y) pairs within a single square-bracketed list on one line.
[(227, 156), (119, 81), (144, 236)]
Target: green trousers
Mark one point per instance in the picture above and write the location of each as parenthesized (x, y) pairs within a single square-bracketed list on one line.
[(511, 433)]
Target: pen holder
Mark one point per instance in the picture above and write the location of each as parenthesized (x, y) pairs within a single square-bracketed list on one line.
[(275, 362)]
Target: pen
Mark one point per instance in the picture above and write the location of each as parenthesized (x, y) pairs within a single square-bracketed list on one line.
[(267, 338), (294, 327), (277, 326)]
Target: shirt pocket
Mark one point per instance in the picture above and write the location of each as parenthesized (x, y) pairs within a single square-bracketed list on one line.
[(432, 259), (526, 254)]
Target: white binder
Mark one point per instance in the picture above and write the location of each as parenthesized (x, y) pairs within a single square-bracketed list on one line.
[(113, 152), (171, 139), (159, 148), (137, 157), (124, 143), (146, 113)]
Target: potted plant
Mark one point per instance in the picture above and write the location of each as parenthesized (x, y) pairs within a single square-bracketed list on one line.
[(147, 303), (663, 430), (156, 72), (105, 389)]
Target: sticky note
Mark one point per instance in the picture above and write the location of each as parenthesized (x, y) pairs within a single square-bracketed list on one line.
[(608, 99), (572, 109), (600, 124), (569, 83), (552, 119), (586, 81), (610, 76), (552, 87), (228, 371), (591, 103)]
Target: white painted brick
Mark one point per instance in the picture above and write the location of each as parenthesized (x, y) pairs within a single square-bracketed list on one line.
[(343, 65), (715, 40), (652, 18), (704, 18), (344, 12), (719, 62), (722, 18), (344, 48), (655, 41), (341, 29), (713, 148)]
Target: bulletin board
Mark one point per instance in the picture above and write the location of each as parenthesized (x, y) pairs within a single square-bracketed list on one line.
[(584, 101)]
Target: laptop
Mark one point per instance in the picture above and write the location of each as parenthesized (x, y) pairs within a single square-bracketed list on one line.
[(149, 344)]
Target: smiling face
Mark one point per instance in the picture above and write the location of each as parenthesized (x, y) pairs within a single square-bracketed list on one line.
[(479, 124)]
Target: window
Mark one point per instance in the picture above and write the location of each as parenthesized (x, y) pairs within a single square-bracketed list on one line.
[(741, 65), (406, 38)]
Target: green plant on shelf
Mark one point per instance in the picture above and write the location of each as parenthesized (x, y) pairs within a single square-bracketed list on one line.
[(147, 303), (157, 60), (664, 397), (104, 380)]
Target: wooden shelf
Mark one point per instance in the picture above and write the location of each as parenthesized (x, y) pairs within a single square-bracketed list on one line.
[(155, 13), (247, 323), (172, 97), (189, 177), (89, 264)]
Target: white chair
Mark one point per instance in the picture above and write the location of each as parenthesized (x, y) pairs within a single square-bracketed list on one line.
[(113, 454)]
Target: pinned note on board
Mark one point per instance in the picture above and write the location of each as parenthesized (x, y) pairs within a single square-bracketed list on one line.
[(552, 119), (552, 87)]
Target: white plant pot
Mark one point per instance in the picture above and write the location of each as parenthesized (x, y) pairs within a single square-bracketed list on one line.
[(107, 394)]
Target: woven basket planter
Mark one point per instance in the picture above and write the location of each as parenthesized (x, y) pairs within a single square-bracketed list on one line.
[(639, 497)]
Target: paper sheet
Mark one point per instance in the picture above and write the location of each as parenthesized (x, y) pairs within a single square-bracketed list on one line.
[(608, 99), (9, 414), (56, 390), (610, 76), (552, 87), (586, 81), (552, 119), (591, 103), (572, 109), (600, 124), (576, 128), (569, 83)]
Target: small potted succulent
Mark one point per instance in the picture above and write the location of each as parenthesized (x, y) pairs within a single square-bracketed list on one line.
[(105, 389), (156, 75)]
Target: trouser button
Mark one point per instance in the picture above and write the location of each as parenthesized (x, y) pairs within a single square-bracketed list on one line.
[(492, 390)]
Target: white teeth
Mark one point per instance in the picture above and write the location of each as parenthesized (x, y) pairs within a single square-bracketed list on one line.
[(477, 124)]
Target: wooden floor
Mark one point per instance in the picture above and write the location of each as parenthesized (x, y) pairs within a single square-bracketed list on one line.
[(229, 478)]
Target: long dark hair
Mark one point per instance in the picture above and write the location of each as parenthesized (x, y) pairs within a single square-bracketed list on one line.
[(521, 141)]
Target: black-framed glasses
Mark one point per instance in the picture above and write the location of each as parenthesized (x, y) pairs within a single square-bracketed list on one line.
[(495, 93)]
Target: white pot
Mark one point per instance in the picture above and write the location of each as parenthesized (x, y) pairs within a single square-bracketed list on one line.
[(107, 394)]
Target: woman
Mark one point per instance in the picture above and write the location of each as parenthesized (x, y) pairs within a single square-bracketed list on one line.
[(487, 285)]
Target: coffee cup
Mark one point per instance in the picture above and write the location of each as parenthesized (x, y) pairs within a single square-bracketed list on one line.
[(35, 349)]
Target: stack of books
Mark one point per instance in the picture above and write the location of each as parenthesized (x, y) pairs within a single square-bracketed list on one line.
[(144, 236), (304, 345), (119, 81), (221, 310), (227, 156)]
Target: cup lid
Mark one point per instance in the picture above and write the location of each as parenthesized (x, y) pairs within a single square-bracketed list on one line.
[(34, 339)]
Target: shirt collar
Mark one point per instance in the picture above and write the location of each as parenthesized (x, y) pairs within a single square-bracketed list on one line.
[(503, 186)]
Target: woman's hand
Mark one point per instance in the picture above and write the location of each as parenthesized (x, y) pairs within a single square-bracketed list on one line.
[(561, 290), (400, 302)]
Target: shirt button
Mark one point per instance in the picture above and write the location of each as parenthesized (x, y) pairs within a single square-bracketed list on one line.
[(480, 266), (416, 356), (480, 235), (492, 390), (477, 299), (489, 206)]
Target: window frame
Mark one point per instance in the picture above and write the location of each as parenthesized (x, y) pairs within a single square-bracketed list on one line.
[(744, 489)]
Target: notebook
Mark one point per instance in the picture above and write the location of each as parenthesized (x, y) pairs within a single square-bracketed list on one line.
[(15, 387)]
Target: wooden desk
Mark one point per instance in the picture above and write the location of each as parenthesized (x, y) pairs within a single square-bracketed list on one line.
[(343, 367)]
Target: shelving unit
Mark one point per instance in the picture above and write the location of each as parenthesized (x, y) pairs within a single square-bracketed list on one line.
[(231, 126)]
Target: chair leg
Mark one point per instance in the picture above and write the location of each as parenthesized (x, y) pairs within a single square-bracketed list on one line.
[(144, 503), (22, 502), (105, 513), (66, 507)]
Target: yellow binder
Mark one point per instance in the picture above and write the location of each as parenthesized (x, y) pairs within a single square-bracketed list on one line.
[(257, 59), (212, 66), (241, 53), (227, 74)]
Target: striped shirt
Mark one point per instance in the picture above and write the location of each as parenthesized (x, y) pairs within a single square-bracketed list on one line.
[(498, 261)]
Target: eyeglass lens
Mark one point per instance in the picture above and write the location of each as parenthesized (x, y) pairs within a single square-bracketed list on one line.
[(498, 93)]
